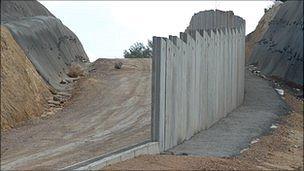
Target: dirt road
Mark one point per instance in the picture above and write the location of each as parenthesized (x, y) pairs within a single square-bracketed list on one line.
[(109, 110)]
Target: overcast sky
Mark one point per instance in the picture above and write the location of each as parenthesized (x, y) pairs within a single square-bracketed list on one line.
[(107, 28)]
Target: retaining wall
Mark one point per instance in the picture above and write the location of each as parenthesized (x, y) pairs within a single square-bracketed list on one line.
[(197, 79), (122, 155), (211, 19)]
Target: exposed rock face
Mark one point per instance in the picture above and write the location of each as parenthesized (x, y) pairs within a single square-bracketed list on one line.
[(37, 51), (262, 27), (279, 52), (16, 10), (48, 44), (23, 92)]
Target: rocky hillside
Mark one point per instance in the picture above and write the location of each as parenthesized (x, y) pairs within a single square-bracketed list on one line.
[(279, 51), (48, 44), (37, 52), (15, 10), (262, 27)]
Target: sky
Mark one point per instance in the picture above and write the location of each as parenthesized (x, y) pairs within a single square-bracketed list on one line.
[(107, 28)]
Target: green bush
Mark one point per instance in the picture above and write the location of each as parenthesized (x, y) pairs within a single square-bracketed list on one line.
[(139, 50)]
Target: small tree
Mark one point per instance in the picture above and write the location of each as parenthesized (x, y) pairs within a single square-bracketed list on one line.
[(139, 50)]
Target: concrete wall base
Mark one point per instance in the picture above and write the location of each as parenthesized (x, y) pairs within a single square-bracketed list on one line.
[(147, 148)]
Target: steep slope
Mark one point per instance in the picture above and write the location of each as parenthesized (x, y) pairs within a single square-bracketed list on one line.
[(255, 36), (37, 51), (15, 10), (48, 44), (23, 91), (110, 110), (279, 53)]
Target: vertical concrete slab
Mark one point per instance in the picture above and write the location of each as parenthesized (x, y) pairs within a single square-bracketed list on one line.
[(198, 72), (243, 62), (221, 74), (184, 111), (184, 55), (202, 79), (191, 66), (226, 66), (158, 90), (224, 36), (184, 84), (216, 76), (235, 69), (176, 94), (176, 77), (211, 79), (170, 89), (230, 47), (238, 67)]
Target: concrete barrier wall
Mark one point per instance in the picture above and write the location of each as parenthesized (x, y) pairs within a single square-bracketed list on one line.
[(103, 161), (212, 19), (197, 79)]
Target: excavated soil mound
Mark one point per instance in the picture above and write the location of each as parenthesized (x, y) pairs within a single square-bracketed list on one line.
[(23, 91), (34, 44), (48, 44)]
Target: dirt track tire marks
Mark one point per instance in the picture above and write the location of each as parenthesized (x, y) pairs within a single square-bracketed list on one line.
[(109, 110)]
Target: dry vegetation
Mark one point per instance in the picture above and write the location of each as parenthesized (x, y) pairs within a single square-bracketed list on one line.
[(23, 92)]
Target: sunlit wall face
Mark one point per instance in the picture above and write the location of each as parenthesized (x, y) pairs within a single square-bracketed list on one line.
[(107, 28)]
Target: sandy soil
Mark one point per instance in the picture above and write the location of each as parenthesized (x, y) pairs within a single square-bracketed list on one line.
[(109, 110), (282, 148), (24, 94)]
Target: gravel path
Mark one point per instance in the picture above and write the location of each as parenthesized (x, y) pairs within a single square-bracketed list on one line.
[(262, 107)]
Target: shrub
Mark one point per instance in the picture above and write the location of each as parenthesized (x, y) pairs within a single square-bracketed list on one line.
[(139, 50)]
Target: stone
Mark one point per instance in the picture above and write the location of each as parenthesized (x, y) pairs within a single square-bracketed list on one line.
[(64, 94), (118, 65), (63, 81), (54, 102)]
